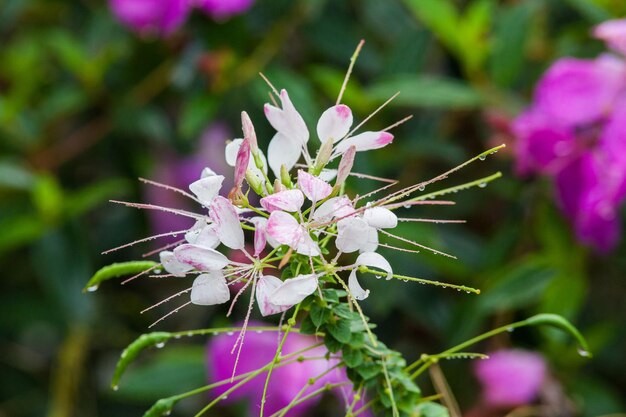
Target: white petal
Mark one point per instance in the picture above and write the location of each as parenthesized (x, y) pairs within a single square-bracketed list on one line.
[(374, 260), (262, 221), (210, 289), (287, 120), (352, 233), (334, 123), (284, 228), (260, 234), (294, 290), (173, 266), (202, 234), (207, 172), (231, 151), (307, 246), (371, 244), (313, 188), (380, 218), (365, 142), (288, 200), (265, 286), (357, 292), (202, 259), (283, 151), (227, 224), (207, 188), (328, 174)]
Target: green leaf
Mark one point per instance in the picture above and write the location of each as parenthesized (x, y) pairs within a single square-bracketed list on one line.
[(117, 270), (332, 344), (319, 315), (440, 16), (196, 113), (340, 330), (369, 370), (307, 326), (591, 11), (432, 410), (352, 357), (134, 349), (426, 91)]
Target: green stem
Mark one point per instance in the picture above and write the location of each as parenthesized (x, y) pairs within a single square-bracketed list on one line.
[(423, 281), (481, 182)]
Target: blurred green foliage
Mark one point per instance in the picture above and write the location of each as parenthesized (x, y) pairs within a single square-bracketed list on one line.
[(86, 107)]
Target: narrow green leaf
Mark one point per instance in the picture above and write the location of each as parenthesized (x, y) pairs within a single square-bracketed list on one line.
[(134, 349), (440, 16), (117, 270)]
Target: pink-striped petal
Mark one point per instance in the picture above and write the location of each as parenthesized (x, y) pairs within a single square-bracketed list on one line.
[(227, 225), (260, 234), (334, 123), (345, 165), (201, 258), (241, 163), (288, 200), (248, 131), (172, 265), (364, 142), (202, 234), (284, 228), (313, 188)]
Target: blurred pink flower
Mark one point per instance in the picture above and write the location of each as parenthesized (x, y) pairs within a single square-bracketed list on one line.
[(259, 349), (511, 377), (224, 9), (160, 17), (575, 132), (180, 171), (613, 32)]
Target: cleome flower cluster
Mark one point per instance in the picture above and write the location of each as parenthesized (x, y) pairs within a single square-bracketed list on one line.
[(300, 216)]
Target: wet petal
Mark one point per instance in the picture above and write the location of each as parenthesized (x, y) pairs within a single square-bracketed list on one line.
[(335, 207), (207, 188), (284, 228), (201, 258), (210, 289), (266, 285), (371, 244), (334, 123), (364, 142), (357, 292), (380, 218), (307, 246), (352, 233), (241, 162), (227, 225), (202, 234), (288, 200), (172, 265), (345, 165), (313, 188), (374, 260), (282, 151), (260, 234), (294, 290)]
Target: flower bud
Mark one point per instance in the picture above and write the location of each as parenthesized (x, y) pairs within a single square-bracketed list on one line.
[(285, 178), (249, 133), (242, 161), (255, 183), (323, 156), (345, 165)]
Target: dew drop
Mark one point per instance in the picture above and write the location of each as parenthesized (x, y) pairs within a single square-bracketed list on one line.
[(230, 333), (160, 345), (157, 271), (509, 329), (482, 157), (406, 206), (167, 413), (421, 187), (583, 353), (177, 336), (482, 184), (115, 387), (189, 334), (124, 353), (224, 397), (92, 288), (377, 276), (259, 331), (405, 280)]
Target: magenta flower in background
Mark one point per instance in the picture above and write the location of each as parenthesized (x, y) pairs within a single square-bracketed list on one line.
[(574, 132), (160, 17), (224, 9), (259, 349), (511, 377)]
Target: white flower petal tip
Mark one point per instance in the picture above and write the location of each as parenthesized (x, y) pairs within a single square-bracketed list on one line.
[(210, 289), (207, 188), (266, 285), (357, 292), (207, 172), (172, 265), (284, 228), (287, 120), (227, 224), (380, 218), (260, 234), (313, 188), (336, 207), (294, 290), (288, 200), (334, 123), (375, 260), (201, 258), (364, 142), (231, 152)]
